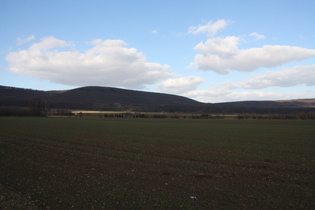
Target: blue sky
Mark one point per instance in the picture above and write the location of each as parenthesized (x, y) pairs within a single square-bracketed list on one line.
[(211, 51)]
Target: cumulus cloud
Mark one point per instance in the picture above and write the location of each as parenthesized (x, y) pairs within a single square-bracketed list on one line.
[(300, 75), (225, 48), (48, 43), (107, 63), (222, 54), (180, 85), (211, 28)]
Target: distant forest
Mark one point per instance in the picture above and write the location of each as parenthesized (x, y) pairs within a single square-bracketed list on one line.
[(28, 102)]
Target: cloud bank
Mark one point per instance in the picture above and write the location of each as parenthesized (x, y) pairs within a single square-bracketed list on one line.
[(247, 89), (222, 55), (107, 63), (299, 75)]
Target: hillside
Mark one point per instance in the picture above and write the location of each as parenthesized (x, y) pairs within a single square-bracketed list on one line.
[(112, 99), (97, 98), (298, 103)]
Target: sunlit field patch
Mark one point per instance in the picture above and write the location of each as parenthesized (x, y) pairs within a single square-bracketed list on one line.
[(86, 163)]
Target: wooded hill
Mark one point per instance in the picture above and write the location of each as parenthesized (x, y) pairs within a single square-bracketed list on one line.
[(116, 99)]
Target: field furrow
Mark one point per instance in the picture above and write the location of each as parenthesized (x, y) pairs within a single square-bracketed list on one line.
[(65, 163)]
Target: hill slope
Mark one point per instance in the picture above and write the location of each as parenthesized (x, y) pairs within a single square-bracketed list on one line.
[(96, 98), (107, 98)]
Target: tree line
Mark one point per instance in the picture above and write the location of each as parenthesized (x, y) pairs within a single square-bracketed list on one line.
[(294, 116), (39, 107), (36, 107)]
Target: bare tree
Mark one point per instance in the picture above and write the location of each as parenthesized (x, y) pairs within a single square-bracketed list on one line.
[(38, 107)]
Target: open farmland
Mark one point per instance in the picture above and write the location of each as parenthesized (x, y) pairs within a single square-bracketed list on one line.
[(86, 163)]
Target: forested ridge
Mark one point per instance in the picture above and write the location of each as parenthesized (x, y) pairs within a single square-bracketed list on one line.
[(116, 99)]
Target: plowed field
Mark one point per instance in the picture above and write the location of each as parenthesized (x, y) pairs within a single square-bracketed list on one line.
[(103, 163)]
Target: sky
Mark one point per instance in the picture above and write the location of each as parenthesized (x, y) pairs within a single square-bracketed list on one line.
[(210, 51)]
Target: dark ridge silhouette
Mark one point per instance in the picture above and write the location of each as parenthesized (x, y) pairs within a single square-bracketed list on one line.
[(110, 99)]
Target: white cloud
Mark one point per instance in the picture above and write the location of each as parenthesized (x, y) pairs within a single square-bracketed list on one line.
[(154, 31), (300, 75), (48, 43), (107, 63), (286, 78), (21, 41), (180, 85), (224, 48), (211, 95), (222, 54), (211, 28), (257, 36)]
